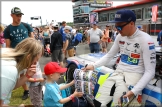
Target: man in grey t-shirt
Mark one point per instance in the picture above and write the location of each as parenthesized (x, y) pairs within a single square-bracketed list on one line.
[(94, 38)]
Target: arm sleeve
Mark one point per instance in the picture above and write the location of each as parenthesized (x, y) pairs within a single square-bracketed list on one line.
[(61, 31), (88, 32), (8, 77), (66, 37), (52, 43), (149, 58), (160, 38), (101, 33), (56, 96), (6, 33), (30, 28), (107, 58)]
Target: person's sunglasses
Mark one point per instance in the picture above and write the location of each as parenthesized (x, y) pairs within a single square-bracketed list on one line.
[(119, 28)]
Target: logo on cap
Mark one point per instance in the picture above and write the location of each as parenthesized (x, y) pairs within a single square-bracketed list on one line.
[(117, 15), (130, 19), (17, 10)]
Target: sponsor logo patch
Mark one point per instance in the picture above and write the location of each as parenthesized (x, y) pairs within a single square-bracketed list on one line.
[(151, 47), (133, 55), (153, 54), (128, 60), (152, 61), (136, 45), (152, 58), (150, 43), (122, 42), (128, 43), (117, 15)]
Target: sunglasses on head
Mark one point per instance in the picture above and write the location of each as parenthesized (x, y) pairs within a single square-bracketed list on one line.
[(119, 28)]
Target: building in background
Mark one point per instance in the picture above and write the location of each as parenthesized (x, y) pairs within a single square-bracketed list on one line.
[(83, 8), (143, 10)]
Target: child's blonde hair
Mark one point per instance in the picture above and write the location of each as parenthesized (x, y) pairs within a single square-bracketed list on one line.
[(1, 28), (25, 52)]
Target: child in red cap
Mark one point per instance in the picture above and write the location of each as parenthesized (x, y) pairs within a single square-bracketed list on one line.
[(52, 95)]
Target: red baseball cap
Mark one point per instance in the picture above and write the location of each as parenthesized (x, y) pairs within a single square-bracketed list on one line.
[(52, 67)]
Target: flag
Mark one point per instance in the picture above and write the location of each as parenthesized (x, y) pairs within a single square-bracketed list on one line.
[(154, 13)]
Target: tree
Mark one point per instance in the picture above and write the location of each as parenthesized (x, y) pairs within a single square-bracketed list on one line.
[(70, 24)]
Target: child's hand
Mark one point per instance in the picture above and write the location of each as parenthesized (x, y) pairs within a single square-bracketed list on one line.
[(31, 70), (77, 94), (41, 79), (43, 73)]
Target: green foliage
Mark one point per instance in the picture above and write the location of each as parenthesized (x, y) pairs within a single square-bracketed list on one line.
[(70, 24), (16, 98)]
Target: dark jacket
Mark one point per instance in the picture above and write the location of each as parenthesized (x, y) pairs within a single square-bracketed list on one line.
[(56, 41)]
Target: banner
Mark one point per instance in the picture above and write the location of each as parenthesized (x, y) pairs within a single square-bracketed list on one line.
[(154, 13), (93, 17), (99, 3)]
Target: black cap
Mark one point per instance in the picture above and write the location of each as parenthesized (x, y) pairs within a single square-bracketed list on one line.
[(16, 10)]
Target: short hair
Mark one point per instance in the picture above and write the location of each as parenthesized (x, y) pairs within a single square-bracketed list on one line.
[(63, 22)]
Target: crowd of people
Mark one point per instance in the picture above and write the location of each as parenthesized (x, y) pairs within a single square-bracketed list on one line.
[(22, 46)]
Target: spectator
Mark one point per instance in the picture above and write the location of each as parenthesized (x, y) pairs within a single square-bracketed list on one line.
[(105, 39), (40, 35), (81, 30), (62, 30), (140, 28), (46, 36), (94, 35), (12, 39), (74, 33), (85, 34), (68, 43), (56, 46), (2, 39), (35, 87), (159, 38), (36, 34), (116, 32), (63, 36), (24, 56), (14, 29)]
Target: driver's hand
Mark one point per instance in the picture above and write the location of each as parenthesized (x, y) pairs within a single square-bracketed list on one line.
[(88, 67)]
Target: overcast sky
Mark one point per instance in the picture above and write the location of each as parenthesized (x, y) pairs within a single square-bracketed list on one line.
[(49, 10)]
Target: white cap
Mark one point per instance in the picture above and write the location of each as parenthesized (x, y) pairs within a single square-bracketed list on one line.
[(73, 31), (68, 28), (54, 25), (81, 28)]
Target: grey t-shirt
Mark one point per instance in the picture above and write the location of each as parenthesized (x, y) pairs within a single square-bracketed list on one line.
[(95, 35), (69, 37)]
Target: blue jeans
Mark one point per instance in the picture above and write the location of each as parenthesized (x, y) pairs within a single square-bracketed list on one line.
[(94, 47)]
